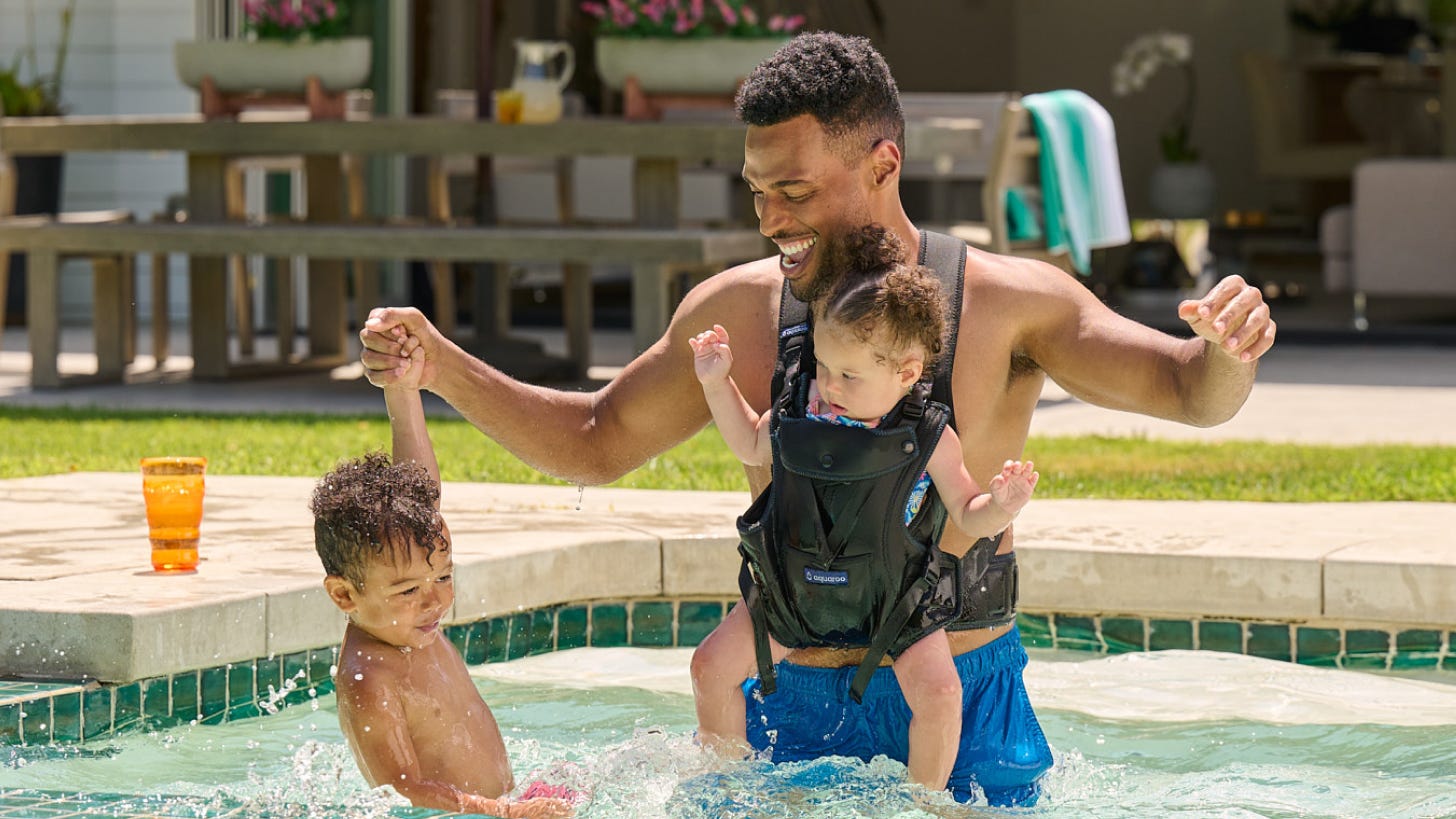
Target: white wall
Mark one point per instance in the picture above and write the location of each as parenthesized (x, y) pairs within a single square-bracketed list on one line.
[(120, 63)]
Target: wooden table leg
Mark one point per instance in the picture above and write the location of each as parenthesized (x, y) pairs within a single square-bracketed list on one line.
[(656, 195), (207, 275), (42, 314), (328, 316)]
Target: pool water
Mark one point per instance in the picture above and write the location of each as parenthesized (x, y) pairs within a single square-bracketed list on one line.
[(1188, 733)]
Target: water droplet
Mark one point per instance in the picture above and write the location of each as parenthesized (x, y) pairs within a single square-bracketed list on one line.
[(358, 676), (366, 729)]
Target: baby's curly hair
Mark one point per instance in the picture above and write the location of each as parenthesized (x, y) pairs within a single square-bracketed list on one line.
[(882, 298), (842, 81), (369, 508)]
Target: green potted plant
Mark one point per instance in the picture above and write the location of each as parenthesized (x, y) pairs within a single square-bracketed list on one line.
[(684, 46), (287, 42), (27, 92)]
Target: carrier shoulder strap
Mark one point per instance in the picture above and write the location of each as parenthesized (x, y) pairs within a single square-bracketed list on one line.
[(946, 255)]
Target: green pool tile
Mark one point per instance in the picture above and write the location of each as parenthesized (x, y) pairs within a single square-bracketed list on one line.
[(1123, 634), (1221, 635), (1366, 649), (1036, 630), (214, 704), (185, 705), (571, 623), (460, 637), (1170, 635), (696, 620), (543, 631), (96, 712), (35, 722), (1418, 641), (10, 724), (1417, 648), (609, 625), (268, 672), (126, 707), (477, 643), (156, 701), (1270, 641), (1317, 646), (500, 640), (520, 644), (320, 663), (241, 678), (66, 718), (1078, 633), (652, 624)]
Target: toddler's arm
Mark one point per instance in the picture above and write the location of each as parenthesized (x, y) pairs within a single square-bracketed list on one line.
[(979, 514), (411, 437), (745, 431)]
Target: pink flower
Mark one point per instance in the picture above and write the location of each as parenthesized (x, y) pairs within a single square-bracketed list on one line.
[(749, 15), (596, 10), (729, 15)]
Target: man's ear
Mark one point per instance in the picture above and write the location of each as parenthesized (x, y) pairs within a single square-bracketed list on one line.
[(885, 162), (342, 592), (909, 371)]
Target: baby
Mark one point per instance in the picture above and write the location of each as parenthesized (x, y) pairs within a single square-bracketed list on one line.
[(874, 335), (407, 705)]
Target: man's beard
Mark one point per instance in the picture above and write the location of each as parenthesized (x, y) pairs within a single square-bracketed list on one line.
[(829, 266)]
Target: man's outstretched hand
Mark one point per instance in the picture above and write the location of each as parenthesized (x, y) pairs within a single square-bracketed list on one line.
[(397, 339), (1234, 317)]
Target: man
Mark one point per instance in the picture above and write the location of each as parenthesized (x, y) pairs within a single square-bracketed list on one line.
[(823, 155)]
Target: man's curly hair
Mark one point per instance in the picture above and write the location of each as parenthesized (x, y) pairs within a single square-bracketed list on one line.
[(840, 80), (369, 508), (881, 297)]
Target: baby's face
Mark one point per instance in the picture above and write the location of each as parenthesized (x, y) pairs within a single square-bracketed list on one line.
[(402, 603), (855, 381)]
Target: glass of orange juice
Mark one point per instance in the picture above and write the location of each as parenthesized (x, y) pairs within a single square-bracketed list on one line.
[(173, 490)]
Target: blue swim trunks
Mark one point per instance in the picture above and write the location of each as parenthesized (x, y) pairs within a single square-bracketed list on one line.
[(1003, 751)]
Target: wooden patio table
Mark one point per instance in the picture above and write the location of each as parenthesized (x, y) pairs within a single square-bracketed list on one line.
[(659, 149)]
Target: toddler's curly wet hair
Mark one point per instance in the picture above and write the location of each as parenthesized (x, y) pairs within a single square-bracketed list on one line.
[(886, 301), (368, 509), (840, 80)]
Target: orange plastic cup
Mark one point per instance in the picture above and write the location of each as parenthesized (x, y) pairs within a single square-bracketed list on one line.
[(173, 490)]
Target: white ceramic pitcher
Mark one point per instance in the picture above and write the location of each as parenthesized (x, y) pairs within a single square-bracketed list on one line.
[(541, 78)]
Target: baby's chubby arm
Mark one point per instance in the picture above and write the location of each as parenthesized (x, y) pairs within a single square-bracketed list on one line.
[(745, 431), (977, 513), (378, 733)]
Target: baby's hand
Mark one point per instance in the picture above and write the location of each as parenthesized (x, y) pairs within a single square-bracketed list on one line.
[(539, 809), (712, 359), (1012, 488)]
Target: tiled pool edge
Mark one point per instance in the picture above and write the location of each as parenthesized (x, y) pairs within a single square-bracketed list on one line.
[(68, 712)]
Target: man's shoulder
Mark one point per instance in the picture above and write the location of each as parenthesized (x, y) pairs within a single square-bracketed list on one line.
[(748, 290)]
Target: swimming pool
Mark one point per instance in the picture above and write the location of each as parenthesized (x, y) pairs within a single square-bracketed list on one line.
[(1149, 734)]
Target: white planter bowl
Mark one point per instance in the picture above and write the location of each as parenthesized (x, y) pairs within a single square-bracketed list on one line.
[(689, 66), (273, 65)]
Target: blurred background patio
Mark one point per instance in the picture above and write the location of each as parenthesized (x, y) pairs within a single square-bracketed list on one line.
[(1324, 127)]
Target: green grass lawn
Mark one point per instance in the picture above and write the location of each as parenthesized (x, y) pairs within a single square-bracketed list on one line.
[(48, 441)]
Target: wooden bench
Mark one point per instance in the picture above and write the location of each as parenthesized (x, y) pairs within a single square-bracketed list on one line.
[(653, 253)]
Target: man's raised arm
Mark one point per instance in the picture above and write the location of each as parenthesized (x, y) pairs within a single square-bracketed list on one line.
[(595, 437), (1114, 362)]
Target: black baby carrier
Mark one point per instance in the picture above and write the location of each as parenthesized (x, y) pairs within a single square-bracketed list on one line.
[(827, 557)]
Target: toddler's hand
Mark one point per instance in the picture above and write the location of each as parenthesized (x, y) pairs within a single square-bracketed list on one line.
[(712, 358), (1012, 488), (410, 374)]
